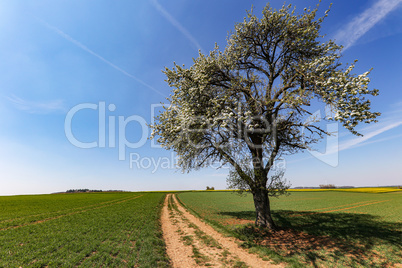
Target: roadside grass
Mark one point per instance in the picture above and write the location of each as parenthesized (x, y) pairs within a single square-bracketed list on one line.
[(94, 229), (330, 228)]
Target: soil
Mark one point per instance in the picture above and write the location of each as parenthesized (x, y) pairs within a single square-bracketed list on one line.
[(191, 242)]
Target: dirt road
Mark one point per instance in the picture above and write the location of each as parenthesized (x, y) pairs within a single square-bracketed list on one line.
[(192, 243)]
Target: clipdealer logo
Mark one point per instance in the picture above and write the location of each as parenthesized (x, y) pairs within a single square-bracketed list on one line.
[(122, 122), (112, 134)]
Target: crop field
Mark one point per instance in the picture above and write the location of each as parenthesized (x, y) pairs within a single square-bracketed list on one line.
[(375, 190), (317, 228), (88, 229)]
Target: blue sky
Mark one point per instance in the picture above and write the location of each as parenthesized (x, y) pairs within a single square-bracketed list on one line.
[(56, 55)]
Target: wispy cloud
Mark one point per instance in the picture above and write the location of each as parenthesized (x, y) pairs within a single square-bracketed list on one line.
[(378, 140), (85, 48), (397, 107), (35, 107), (357, 141), (371, 134), (387, 121), (176, 24), (363, 22)]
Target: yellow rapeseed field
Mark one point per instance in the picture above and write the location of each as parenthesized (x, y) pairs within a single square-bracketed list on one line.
[(360, 190)]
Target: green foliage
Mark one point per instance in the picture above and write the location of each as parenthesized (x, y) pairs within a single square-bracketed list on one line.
[(83, 191), (277, 184), (246, 106), (88, 229), (327, 186)]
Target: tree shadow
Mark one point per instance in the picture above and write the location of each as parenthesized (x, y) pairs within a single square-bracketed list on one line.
[(318, 238), (241, 215)]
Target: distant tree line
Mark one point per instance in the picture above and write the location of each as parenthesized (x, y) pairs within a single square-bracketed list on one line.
[(89, 191), (210, 188), (82, 191), (327, 186)]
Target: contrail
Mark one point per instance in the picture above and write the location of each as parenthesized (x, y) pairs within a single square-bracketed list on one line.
[(363, 22), (176, 24), (85, 48)]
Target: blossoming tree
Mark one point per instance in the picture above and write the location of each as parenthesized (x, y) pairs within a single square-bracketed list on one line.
[(245, 106)]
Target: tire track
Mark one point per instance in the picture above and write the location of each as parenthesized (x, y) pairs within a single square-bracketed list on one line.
[(365, 203), (192, 243), (372, 203), (180, 255)]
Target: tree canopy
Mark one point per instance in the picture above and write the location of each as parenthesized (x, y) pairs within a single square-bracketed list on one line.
[(247, 105)]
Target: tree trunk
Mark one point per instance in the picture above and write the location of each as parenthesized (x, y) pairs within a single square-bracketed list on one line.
[(263, 209)]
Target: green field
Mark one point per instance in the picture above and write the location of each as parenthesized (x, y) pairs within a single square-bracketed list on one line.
[(88, 229), (319, 228)]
